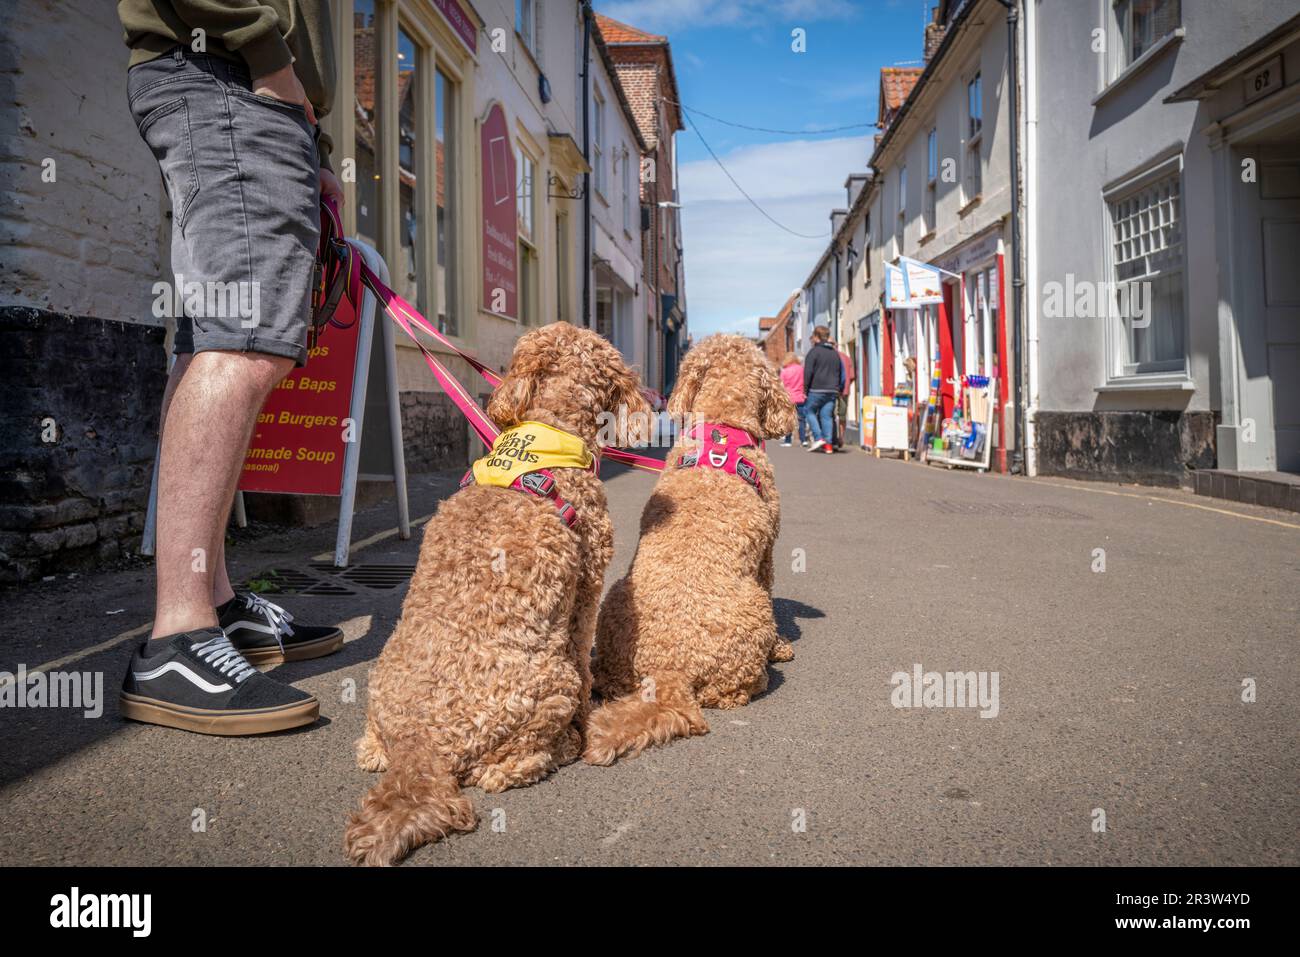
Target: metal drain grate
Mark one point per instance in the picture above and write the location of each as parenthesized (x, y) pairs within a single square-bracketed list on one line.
[(383, 577), (291, 581), (1006, 510)]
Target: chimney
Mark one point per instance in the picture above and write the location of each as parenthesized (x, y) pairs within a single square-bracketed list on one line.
[(853, 186), (934, 34)]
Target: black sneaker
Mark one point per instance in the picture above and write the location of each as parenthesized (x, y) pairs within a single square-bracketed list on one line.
[(197, 681), (266, 634)]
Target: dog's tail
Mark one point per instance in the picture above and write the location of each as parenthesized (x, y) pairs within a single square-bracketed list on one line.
[(662, 709), (416, 802)]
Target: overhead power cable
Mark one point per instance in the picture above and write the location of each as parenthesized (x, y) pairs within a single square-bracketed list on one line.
[(768, 216), (765, 129)]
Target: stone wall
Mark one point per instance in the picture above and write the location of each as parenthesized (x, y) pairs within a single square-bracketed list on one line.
[(434, 432), (78, 431), (1148, 447)]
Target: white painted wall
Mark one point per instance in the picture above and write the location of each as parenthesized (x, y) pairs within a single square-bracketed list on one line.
[(89, 243), (1084, 145), (616, 216)]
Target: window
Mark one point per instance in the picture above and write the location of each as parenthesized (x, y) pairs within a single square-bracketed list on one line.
[(902, 206), (1147, 272), (527, 283), (526, 23), (973, 179), (866, 250), (444, 93), (627, 192), (367, 121), (526, 168), (1141, 24), (598, 144), (931, 178), (983, 294), (409, 272), (605, 313), (524, 193), (561, 268)]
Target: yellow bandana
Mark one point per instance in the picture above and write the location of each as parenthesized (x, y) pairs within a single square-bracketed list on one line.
[(528, 447)]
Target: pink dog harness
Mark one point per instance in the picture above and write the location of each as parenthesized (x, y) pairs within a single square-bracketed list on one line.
[(720, 447)]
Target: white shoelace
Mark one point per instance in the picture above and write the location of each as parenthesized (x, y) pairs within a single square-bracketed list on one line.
[(221, 654), (278, 618)]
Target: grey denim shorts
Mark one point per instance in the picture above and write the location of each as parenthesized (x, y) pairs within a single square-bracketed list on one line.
[(243, 175)]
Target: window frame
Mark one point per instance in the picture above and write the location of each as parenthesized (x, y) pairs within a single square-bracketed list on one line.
[(1121, 31), (930, 210), (900, 229), (440, 51), (1120, 369), (528, 244), (526, 17), (627, 192), (972, 173), (422, 162), (599, 178)]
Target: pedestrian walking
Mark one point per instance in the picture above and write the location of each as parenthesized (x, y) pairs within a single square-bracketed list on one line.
[(227, 97), (823, 380), (792, 379)]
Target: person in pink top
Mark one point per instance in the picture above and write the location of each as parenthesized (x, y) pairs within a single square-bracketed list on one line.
[(792, 379)]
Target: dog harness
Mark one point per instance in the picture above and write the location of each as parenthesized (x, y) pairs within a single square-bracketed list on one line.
[(720, 447), (522, 459)]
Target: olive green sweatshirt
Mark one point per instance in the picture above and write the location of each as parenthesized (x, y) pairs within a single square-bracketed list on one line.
[(266, 35)]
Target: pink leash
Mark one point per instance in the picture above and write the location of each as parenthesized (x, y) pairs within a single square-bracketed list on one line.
[(406, 316)]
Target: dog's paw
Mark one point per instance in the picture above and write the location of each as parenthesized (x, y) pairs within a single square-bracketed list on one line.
[(781, 650), (600, 754), (370, 754)]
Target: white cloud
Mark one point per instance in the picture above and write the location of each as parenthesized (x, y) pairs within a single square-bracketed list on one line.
[(739, 266), (784, 170)]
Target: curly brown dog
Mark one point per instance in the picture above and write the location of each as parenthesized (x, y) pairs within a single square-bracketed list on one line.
[(486, 680), (691, 625)]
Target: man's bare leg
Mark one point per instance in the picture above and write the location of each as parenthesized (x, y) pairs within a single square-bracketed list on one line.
[(210, 409), (222, 591)]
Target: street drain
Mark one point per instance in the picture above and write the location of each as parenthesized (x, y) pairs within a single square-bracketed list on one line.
[(291, 581), (1006, 510), (379, 576)]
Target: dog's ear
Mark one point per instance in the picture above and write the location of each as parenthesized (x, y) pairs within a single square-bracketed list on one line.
[(689, 377), (776, 412), (512, 398), (632, 412)]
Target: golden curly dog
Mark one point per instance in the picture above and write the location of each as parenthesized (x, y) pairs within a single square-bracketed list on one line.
[(486, 680), (692, 625)]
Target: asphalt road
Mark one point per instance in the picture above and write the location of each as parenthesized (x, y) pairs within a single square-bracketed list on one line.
[(1118, 690)]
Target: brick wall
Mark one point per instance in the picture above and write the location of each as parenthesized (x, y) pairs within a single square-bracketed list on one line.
[(78, 429)]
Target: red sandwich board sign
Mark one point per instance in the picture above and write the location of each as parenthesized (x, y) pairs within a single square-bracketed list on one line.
[(302, 430)]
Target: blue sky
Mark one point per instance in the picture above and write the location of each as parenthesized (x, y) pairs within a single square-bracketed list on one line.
[(734, 60)]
